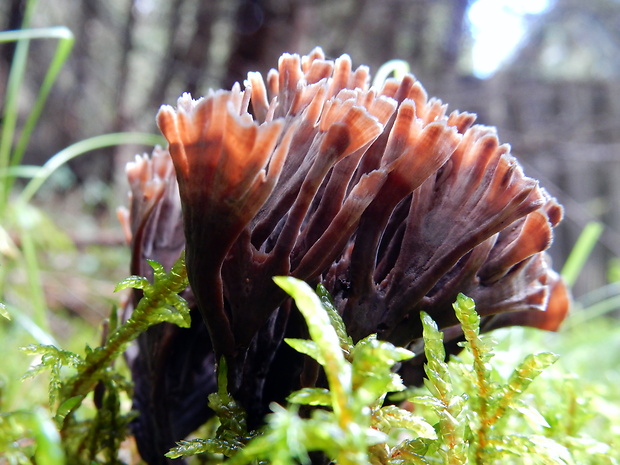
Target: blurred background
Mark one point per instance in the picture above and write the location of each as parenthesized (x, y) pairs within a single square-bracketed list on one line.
[(545, 72)]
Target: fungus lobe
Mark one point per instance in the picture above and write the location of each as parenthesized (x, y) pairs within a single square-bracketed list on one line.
[(379, 194)]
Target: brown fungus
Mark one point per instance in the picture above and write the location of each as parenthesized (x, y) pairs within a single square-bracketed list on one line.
[(391, 203), (172, 368)]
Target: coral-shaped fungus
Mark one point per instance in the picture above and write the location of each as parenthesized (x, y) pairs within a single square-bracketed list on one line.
[(392, 204)]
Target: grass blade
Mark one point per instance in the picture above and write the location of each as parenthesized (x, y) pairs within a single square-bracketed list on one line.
[(581, 251), (80, 148)]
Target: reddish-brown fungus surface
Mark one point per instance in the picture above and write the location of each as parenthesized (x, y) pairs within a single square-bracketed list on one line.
[(379, 194)]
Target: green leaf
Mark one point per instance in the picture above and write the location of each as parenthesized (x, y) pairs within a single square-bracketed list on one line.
[(49, 450), (433, 339), (176, 313), (429, 401), (448, 407), (79, 148), (51, 357), (4, 312), (134, 282), (581, 251), (411, 452), (337, 322), (16, 77), (158, 270), (373, 361), (532, 415), (286, 441), (465, 309), (67, 406), (337, 369), (160, 302), (532, 366), (306, 347), (391, 417), (311, 396), (193, 447), (382, 353), (534, 449)]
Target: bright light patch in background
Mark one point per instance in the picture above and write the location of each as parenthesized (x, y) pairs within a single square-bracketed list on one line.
[(497, 27)]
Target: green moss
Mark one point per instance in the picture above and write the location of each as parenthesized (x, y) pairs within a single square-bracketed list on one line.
[(481, 407)]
